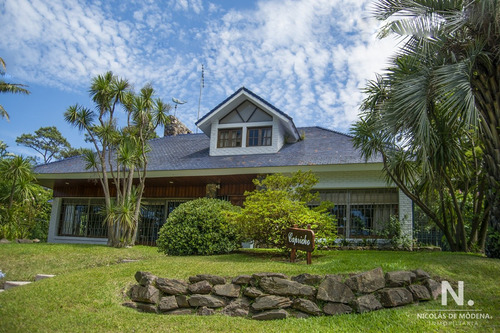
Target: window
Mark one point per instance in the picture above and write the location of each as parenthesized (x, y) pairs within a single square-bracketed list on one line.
[(259, 136), (229, 138), (82, 218)]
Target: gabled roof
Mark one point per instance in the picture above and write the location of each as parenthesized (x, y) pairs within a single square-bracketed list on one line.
[(237, 98), (191, 152)]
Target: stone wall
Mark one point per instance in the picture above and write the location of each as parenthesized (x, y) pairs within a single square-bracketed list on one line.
[(266, 296)]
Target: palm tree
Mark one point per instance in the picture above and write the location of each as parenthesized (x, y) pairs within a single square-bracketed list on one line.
[(5, 87), (17, 171), (459, 44)]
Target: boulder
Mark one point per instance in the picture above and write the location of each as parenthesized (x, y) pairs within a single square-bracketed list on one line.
[(391, 297), (227, 290), (182, 301), (271, 315), (237, 308), (398, 278), (306, 306), (253, 292), (24, 241), (180, 312), (167, 303), (332, 291), (204, 311), (299, 314), (4, 241), (271, 302), (282, 287), (143, 294), (336, 309), (146, 307), (171, 286), (367, 303), (421, 275), (213, 279), (145, 278), (433, 287), (309, 279), (419, 292), (206, 300), (259, 276), (367, 282), (201, 287), (242, 279)]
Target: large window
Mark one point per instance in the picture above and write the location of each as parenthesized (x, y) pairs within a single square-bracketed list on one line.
[(229, 138), (259, 136), (82, 218)]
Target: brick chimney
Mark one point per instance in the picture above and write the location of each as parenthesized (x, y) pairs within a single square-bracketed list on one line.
[(175, 127)]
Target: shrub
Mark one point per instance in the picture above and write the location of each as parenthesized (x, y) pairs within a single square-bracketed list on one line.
[(199, 227), (492, 247)]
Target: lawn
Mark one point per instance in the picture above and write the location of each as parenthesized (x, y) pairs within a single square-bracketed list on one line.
[(87, 293)]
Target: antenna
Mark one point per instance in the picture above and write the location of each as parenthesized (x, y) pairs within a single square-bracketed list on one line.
[(202, 85), (177, 102)]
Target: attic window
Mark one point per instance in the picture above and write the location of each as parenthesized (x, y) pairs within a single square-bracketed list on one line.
[(259, 136), (229, 138)]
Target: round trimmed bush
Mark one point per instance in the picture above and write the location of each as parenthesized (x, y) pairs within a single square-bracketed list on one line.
[(199, 227)]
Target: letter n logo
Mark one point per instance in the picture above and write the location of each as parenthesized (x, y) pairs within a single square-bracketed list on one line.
[(446, 287)]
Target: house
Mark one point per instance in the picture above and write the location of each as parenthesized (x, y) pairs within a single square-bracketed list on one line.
[(242, 138)]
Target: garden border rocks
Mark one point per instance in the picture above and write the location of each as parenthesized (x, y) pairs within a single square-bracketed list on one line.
[(268, 296)]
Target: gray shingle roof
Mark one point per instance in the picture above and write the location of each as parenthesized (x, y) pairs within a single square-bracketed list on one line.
[(191, 152)]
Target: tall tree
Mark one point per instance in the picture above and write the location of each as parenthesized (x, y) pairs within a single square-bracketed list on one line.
[(5, 87), (47, 141), (459, 41), (120, 157)]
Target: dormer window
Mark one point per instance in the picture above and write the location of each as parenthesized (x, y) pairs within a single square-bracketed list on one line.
[(259, 136), (229, 138)]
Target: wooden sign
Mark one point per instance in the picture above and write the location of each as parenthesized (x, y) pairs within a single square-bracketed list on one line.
[(300, 239)]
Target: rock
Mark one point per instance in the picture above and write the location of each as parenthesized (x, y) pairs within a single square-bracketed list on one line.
[(332, 291), (172, 287), (24, 241), (237, 308), (175, 127), (146, 307), (143, 294), (271, 302), (145, 278), (334, 277), (182, 301), (204, 311), (242, 279), (271, 315), (39, 277), (201, 287), (280, 286), (4, 241), (421, 275), (206, 300), (127, 304), (367, 282), (308, 279), (391, 297), (180, 312), (398, 278), (167, 303), (306, 306), (367, 303), (433, 287), (336, 309), (213, 279), (252, 292), (227, 290), (259, 276), (299, 314), (36, 240), (12, 284), (419, 292)]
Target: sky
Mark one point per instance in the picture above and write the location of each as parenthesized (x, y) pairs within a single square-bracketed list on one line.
[(309, 58)]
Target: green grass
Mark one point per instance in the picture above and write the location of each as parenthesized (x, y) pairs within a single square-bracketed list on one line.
[(87, 293)]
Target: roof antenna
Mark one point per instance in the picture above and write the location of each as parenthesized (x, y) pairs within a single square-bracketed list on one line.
[(202, 85), (177, 102)]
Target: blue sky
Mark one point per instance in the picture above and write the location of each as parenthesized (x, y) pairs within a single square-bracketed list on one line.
[(309, 58)]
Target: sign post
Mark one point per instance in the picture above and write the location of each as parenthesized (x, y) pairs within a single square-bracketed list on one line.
[(300, 239)]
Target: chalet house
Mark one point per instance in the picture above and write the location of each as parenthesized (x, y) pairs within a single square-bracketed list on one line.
[(242, 138)]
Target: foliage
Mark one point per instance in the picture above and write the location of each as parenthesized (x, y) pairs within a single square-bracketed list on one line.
[(75, 152), (394, 233), (199, 227), (120, 153), (452, 47), (280, 202), (5, 87), (47, 141), (493, 244)]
